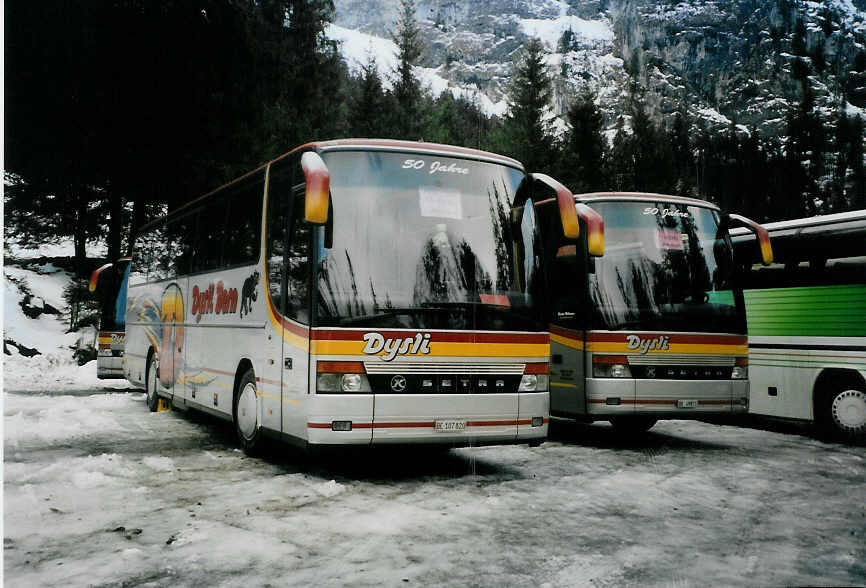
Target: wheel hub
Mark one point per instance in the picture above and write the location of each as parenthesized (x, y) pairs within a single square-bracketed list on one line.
[(849, 410), (247, 414)]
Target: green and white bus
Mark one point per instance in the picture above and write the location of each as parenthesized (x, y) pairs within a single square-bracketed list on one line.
[(806, 317)]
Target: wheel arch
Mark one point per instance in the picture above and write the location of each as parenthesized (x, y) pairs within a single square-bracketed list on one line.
[(829, 380), (150, 353), (243, 365)]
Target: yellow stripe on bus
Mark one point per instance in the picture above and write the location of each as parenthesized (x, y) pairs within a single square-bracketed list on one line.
[(441, 349), (296, 341), (573, 343)]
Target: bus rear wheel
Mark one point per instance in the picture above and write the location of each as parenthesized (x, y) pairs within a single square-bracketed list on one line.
[(246, 414), (151, 381), (845, 414), (633, 425)]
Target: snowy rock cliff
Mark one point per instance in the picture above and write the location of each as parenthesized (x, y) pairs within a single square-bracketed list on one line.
[(743, 62)]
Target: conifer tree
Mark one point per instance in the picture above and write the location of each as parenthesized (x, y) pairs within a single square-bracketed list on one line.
[(527, 133), (368, 111), (407, 88), (584, 147)]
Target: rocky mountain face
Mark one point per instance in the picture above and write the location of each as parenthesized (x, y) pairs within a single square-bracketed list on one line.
[(740, 62)]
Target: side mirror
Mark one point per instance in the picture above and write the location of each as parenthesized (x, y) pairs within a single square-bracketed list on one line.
[(735, 220), (94, 277), (594, 229), (318, 186), (567, 209)]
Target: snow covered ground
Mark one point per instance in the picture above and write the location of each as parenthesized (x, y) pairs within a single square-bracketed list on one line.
[(99, 491)]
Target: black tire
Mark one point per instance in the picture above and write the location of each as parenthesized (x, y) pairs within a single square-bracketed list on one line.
[(842, 413), (151, 383), (245, 414), (633, 425)]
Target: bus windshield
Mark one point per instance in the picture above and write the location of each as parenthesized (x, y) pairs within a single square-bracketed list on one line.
[(666, 267), (421, 241)]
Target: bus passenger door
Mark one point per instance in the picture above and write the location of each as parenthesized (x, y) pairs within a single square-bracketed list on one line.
[(288, 266)]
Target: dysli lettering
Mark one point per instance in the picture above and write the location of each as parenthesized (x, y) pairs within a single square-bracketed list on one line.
[(376, 343), (644, 345)]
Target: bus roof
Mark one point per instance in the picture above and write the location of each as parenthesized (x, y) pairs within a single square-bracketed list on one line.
[(358, 145), (854, 218), (830, 235), (642, 197), (403, 147)]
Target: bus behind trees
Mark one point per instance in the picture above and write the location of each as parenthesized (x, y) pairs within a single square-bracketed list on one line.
[(109, 283), (352, 292), (654, 329), (806, 317)]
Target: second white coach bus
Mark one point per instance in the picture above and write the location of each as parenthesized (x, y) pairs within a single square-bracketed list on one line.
[(654, 329), (352, 292)]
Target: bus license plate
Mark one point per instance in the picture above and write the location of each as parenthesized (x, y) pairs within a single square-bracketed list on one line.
[(687, 403), (450, 426)]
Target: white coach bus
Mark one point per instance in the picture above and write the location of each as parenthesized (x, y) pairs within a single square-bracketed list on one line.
[(653, 329), (807, 323), (351, 292)]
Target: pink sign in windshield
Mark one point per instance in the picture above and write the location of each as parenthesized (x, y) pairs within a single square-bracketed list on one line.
[(669, 239)]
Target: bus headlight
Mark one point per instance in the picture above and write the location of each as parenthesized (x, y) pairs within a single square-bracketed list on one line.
[(350, 377), (350, 383), (741, 369), (610, 366), (534, 383), (330, 382)]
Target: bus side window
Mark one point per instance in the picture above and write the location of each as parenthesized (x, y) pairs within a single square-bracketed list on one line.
[(210, 234), (243, 231), (567, 269), (288, 241), (298, 274), (151, 256), (181, 234), (279, 186)]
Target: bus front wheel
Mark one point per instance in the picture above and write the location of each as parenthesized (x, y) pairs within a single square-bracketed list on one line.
[(151, 381), (246, 414), (845, 413)]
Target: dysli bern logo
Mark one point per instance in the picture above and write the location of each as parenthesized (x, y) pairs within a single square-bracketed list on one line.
[(376, 343)]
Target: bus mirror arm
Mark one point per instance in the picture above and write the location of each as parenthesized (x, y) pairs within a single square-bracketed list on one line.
[(317, 190), (94, 277), (761, 234), (567, 208)]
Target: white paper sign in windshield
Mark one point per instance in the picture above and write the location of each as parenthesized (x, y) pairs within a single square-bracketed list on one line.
[(440, 202)]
